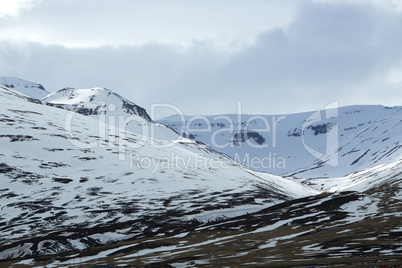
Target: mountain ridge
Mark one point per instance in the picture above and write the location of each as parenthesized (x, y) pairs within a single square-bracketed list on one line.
[(95, 100), (365, 136), (81, 189), (30, 89)]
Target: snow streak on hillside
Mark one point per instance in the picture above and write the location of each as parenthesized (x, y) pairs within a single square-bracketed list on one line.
[(304, 144)]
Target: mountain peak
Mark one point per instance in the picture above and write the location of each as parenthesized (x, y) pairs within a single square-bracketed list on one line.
[(94, 101), (30, 89)]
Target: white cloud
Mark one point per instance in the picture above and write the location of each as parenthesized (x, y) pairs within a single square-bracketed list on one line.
[(392, 4), (394, 75), (13, 8), (88, 23)]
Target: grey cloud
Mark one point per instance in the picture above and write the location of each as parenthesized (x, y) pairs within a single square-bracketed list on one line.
[(326, 51), (329, 52), (146, 74), (325, 44)]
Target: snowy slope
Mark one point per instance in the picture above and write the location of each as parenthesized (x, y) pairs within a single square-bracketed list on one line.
[(109, 108), (363, 222), (27, 88), (138, 193), (361, 181), (326, 229), (73, 189), (355, 138)]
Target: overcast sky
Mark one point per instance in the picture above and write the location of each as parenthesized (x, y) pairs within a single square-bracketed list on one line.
[(275, 56)]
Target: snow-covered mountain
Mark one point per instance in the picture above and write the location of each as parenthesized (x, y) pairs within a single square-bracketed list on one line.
[(70, 189), (27, 88), (109, 108), (96, 101), (305, 145), (88, 179)]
